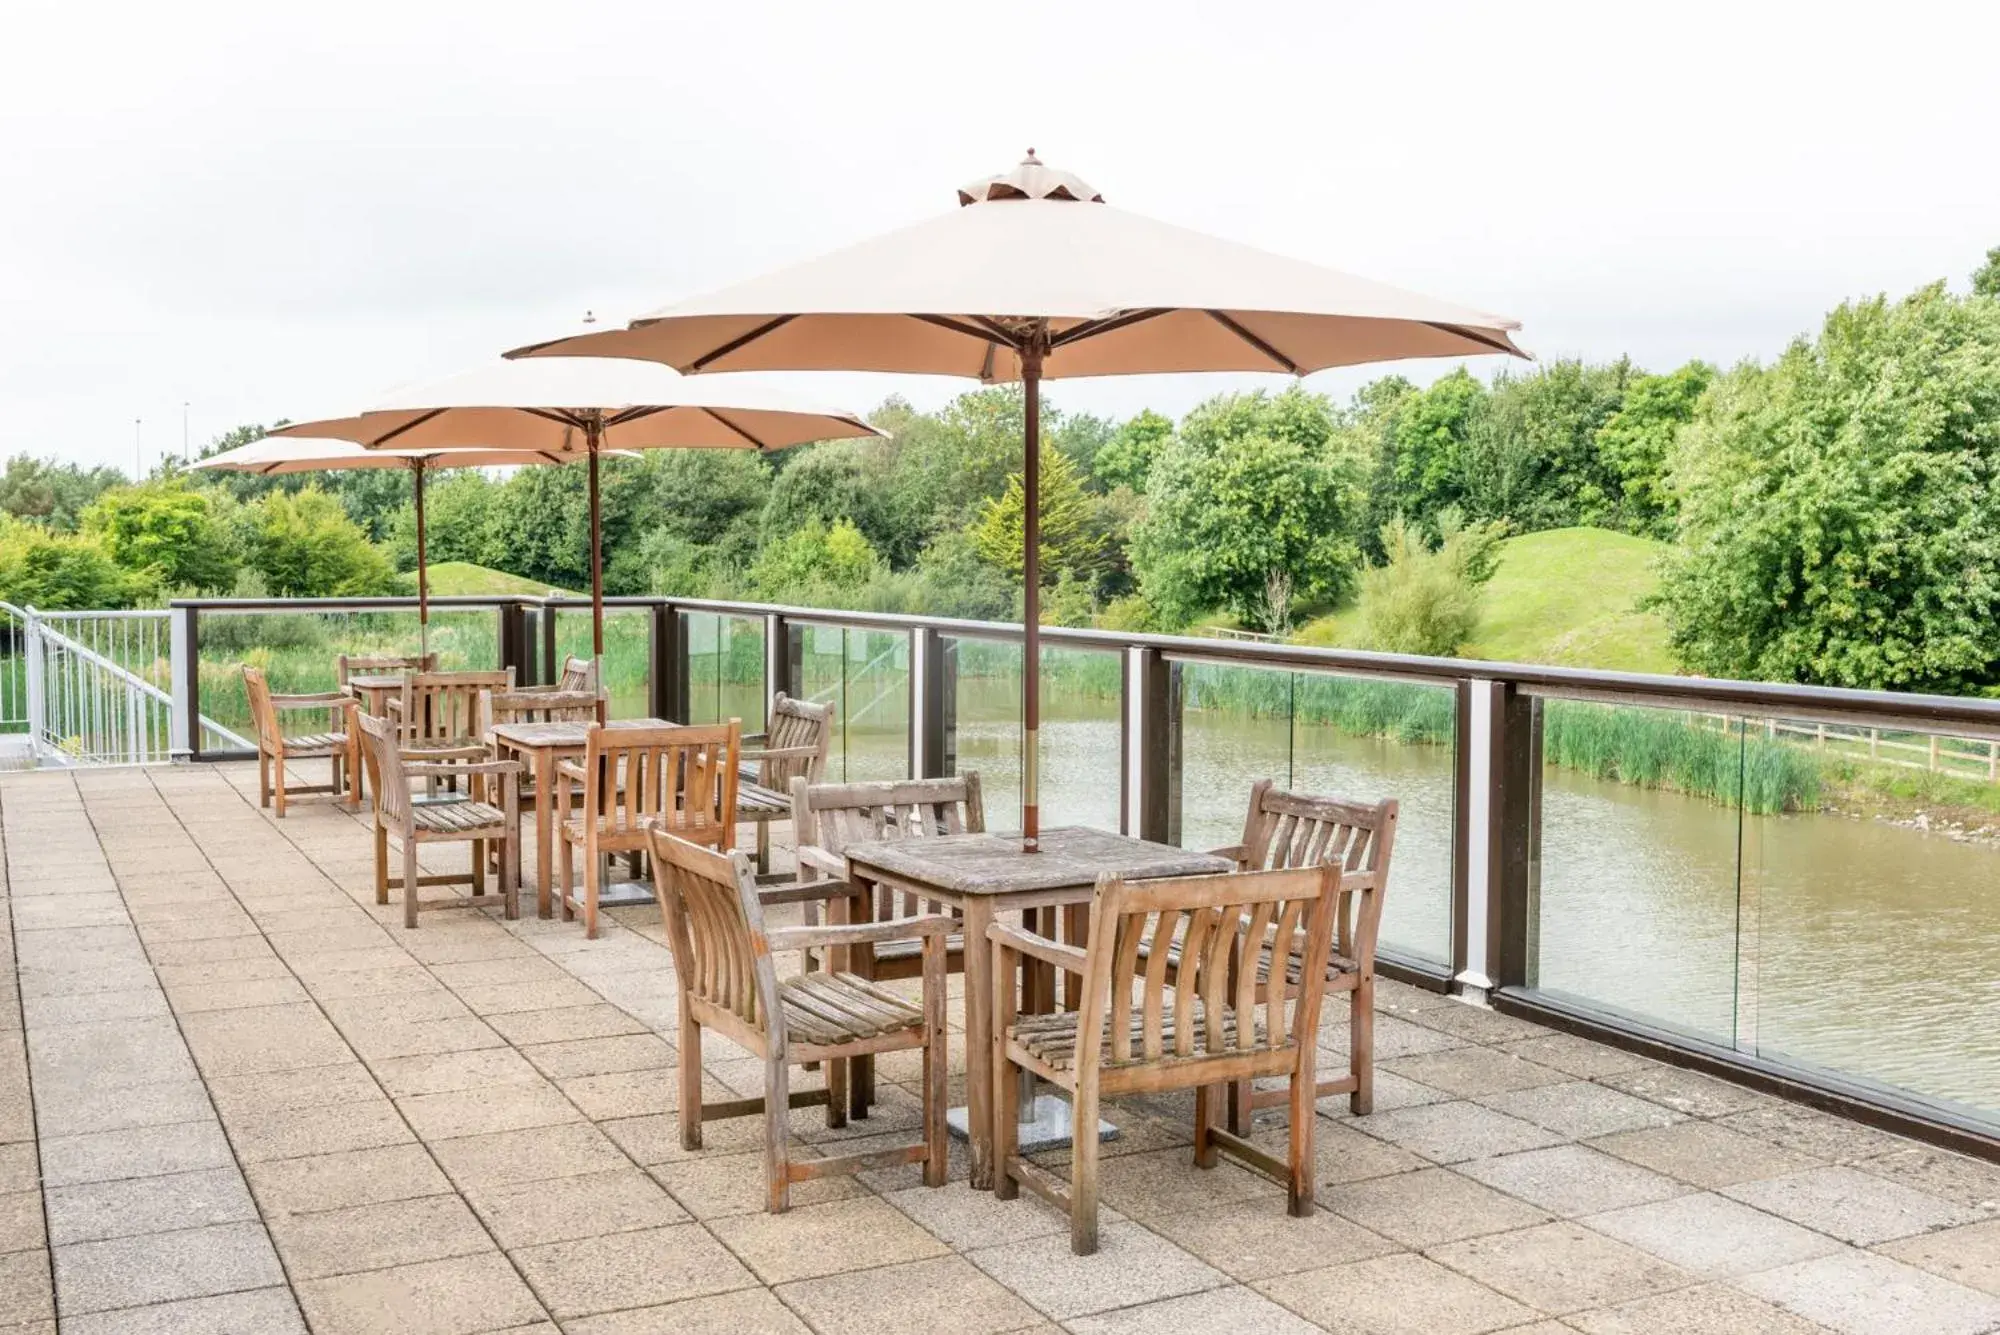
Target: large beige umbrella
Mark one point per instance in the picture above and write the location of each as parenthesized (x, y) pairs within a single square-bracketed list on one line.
[(1035, 276), (579, 408), (272, 456)]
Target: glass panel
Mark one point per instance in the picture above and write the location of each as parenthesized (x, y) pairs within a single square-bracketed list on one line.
[(297, 649), (1870, 891), (628, 654), (1641, 826), (725, 666), (1353, 738), (1082, 743), (865, 674)]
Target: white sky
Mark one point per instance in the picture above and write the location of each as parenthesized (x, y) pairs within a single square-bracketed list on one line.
[(269, 209)]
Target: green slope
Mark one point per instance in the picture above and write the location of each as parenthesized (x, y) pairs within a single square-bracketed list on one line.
[(1568, 596), (464, 579)]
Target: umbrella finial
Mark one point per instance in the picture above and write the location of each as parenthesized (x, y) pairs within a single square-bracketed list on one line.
[(1030, 180)]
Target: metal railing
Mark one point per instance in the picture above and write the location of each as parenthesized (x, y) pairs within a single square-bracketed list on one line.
[(1485, 888)]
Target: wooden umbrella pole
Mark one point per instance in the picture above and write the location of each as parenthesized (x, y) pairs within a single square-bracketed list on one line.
[(423, 562), (593, 433), (1031, 601)]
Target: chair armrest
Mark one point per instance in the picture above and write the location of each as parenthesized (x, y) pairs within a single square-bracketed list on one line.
[(752, 739), (860, 934), (807, 892), (393, 707), (421, 754), (1010, 937), (1236, 853), (812, 855), (431, 771), (321, 700), (572, 769), (752, 755)]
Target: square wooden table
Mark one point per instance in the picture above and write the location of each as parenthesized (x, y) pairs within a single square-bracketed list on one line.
[(373, 690), (983, 875), (543, 745)]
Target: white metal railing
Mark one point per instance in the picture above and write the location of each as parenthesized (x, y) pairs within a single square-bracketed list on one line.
[(88, 688)]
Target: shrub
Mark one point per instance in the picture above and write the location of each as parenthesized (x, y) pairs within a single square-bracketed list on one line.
[(1424, 601)]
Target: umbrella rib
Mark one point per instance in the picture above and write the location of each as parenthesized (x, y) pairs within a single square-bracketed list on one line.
[(737, 429), (1475, 336), (1237, 329), (717, 354), (410, 425), (633, 414), (985, 330), (1110, 324)]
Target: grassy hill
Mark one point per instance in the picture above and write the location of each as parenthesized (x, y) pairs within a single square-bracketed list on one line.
[(1567, 596), (464, 579)]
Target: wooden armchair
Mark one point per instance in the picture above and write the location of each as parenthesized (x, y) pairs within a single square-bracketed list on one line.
[(275, 748), (414, 824), (723, 959), (1296, 830), (681, 778), (828, 817), (794, 747), (445, 711), (1135, 1032), (351, 665)]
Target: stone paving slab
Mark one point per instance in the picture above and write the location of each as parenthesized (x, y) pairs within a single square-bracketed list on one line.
[(237, 1096)]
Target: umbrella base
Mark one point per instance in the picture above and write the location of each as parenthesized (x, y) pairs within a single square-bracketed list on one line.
[(1047, 1127)]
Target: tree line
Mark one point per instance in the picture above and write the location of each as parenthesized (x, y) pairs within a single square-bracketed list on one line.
[(1833, 516)]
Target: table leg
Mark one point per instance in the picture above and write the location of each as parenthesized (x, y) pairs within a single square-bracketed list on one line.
[(545, 802), (978, 913), (860, 961)]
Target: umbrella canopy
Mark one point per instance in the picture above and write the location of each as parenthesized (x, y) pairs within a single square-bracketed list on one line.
[(579, 408), (1034, 275), (273, 456)]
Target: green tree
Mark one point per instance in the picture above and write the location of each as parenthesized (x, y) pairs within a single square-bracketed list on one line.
[(1532, 457), (167, 528), (1069, 541), (815, 564), (1426, 600), (834, 482), (458, 521), (55, 493), (1250, 507), (1128, 456), (1432, 429), (61, 571), (1636, 443), (1986, 278), (303, 545), (1840, 511)]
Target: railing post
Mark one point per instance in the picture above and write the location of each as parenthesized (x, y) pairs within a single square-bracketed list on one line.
[(927, 704), (517, 643), (1152, 728), (38, 698), (777, 663), (1512, 851), (669, 677), (184, 672), (1468, 809)]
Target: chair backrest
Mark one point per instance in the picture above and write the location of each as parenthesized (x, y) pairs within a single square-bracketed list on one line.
[(437, 706), (715, 928), (796, 724), (834, 815), (392, 792), (1215, 919), (263, 714), (1298, 830), (540, 706), (682, 778), (578, 674), (348, 665)]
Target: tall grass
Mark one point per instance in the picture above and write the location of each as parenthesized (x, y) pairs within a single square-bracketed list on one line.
[(1654, 748)]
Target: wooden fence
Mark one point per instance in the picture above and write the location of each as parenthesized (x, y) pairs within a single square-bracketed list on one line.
[(1960, 757)]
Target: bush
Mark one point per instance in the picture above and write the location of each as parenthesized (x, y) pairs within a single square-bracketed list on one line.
[(1423, 601), (305, 546), (63, 572), (169, 531)]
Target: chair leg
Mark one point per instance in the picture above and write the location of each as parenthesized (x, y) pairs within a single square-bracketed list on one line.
[(278, 784), (1237, 1098), (478, 868), (565, 872), (1361, 1047), (1304, 1110), (1204, 1122), (690, 1068), (936, 1063), (1083, 1167), (1006, 1120), (763, 847), (836, 1093), (510, 869), (411, 880), (381, 860), (593, 879), (263, 778), (777, 1131)]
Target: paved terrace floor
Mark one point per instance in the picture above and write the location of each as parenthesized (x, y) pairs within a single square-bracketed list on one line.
[(238, 1097)]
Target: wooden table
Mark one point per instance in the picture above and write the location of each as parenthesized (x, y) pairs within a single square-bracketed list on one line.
[(542, 745), (983, 875)]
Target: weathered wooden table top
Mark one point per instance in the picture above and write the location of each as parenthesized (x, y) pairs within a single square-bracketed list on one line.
[(561, 736), (376, 681), (993, 864)]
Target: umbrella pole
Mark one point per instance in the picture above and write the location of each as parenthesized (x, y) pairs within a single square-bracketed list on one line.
[(423, 561), (592, 435), (1031, 600)]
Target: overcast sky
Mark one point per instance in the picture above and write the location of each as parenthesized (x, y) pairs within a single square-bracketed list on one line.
[(265, 210)]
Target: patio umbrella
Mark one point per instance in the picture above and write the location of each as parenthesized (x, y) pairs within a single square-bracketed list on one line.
[(580, 408), (271, 456), (1033, 277)]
